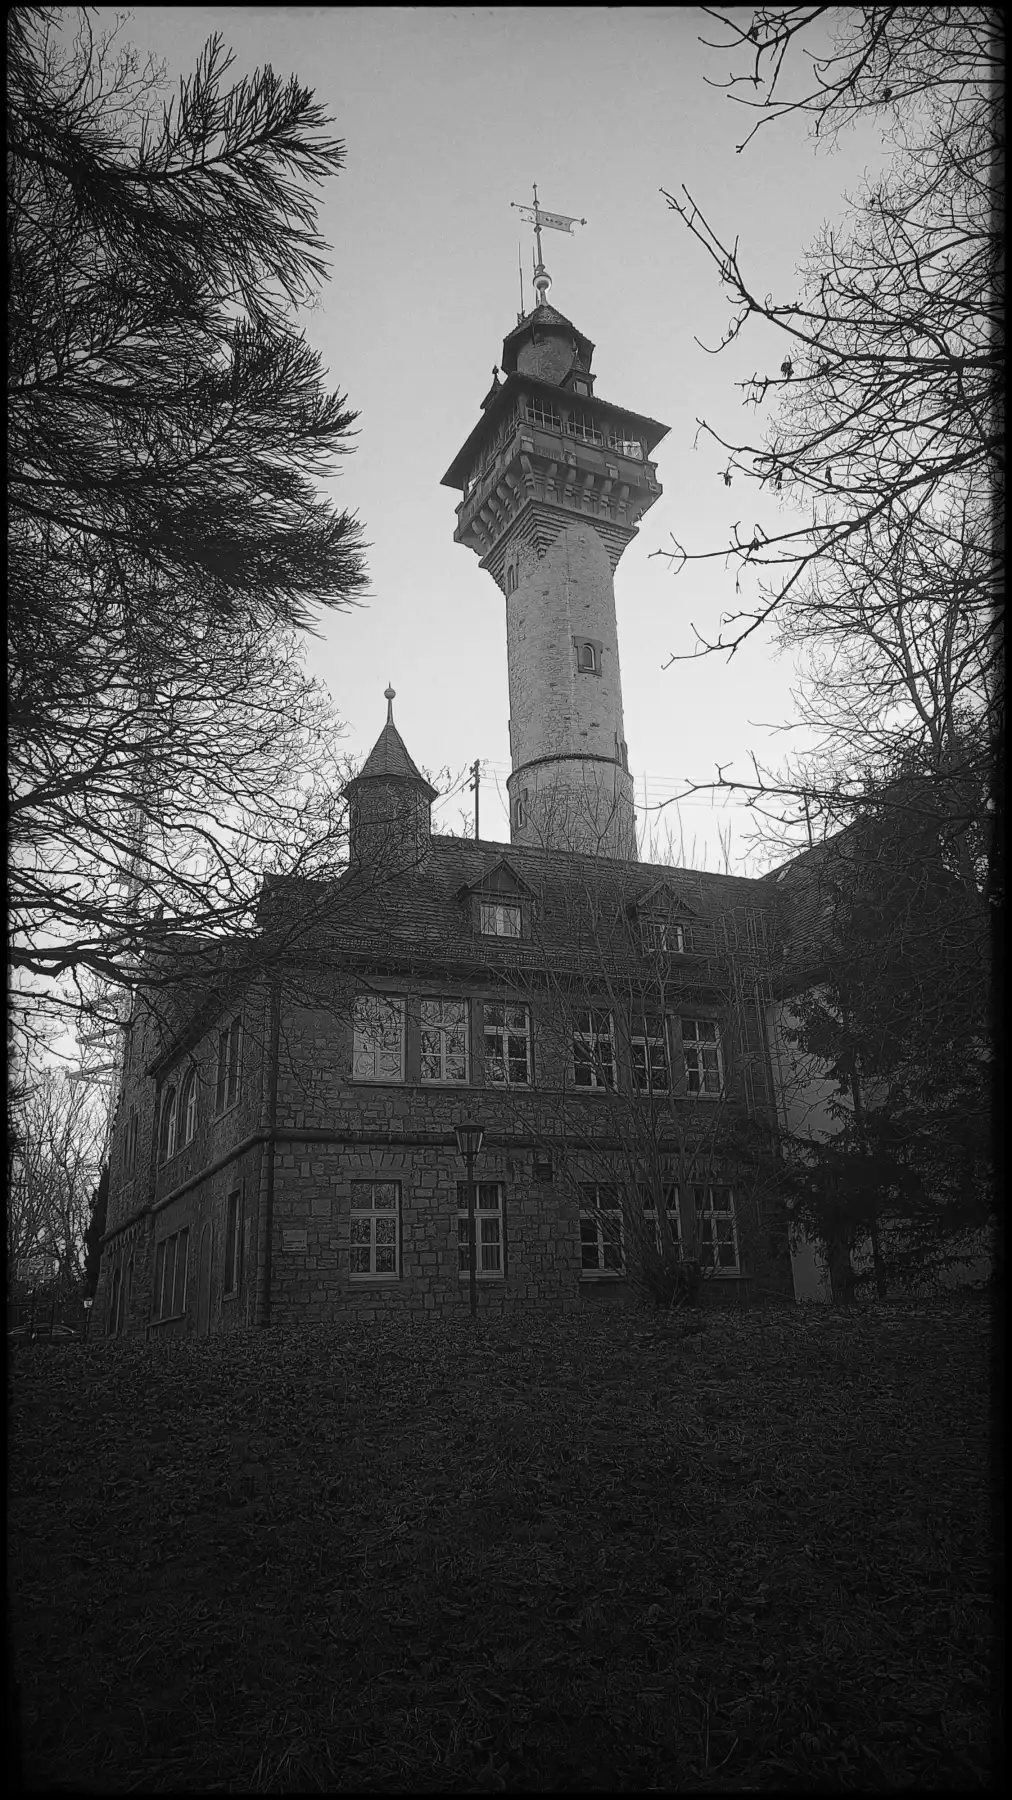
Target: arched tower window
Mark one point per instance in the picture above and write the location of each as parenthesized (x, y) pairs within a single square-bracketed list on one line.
[(588, 656)]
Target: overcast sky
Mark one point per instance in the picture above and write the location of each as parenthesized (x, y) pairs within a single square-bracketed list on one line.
[(448, 116)]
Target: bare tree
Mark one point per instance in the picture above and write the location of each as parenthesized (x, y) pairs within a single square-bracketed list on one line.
[(168, 429), (873, 537), (55, 1151)]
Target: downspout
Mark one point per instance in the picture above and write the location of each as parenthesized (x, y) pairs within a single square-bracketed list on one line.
[(269, 1121)]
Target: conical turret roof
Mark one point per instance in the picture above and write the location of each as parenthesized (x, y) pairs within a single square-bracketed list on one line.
[(389, 757)]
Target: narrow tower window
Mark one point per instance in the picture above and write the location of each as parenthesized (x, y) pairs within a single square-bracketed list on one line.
[(588, 656)]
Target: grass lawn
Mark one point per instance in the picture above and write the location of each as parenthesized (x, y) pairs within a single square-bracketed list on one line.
[(567, 1556)]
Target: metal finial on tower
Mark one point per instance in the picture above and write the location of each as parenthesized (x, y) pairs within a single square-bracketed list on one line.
[(549, 221), (390, 695)]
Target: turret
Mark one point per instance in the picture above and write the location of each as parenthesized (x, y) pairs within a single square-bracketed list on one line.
[(389, 803)]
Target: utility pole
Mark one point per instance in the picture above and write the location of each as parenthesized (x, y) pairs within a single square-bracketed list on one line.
[(473, 787)]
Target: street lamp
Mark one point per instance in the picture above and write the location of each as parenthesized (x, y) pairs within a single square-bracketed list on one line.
[(87, 1314), (469, 1138)]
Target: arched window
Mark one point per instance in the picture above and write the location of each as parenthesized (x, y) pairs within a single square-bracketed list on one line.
[(170, 1123), (188, 1107), (588, 661)]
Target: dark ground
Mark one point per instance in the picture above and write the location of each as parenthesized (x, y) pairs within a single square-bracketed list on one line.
[(600, 1554)]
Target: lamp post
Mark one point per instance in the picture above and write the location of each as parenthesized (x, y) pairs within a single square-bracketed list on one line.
[(87, 1314), (469, 1138)]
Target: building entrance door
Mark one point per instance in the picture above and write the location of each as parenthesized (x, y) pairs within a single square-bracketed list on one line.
[(204, 1283)]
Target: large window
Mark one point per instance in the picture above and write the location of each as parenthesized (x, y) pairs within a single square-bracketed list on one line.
[(130, 1144), (444, 1040), (226, 1091), (593, 1049), (507, 1034), (582, 426), (602, 1233), (542, 412), (233, 1240), (188, 1107), (169, 1298), (652, 1214), (490, 1259), (169, 1127), (651, 1070), (715, 1222), (379, 1039), (703, 1066), (375, 1230), (621, 439), (500, 918)]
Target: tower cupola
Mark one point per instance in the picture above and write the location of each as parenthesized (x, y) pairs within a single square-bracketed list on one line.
[(389, 803)]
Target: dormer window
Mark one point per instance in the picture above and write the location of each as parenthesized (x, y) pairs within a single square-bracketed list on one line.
[(588, 656), (581, 387), (660, 936), (499, 918)]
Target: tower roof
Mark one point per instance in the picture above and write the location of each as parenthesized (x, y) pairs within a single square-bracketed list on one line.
[(389, 758), (548, 318)]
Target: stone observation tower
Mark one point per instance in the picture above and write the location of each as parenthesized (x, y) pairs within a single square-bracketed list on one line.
[(554, 482)]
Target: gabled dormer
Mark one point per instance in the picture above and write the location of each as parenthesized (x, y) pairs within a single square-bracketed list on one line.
[(662, 921), (499, 906)]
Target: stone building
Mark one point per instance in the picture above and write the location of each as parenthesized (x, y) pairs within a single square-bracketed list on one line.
[(284, 1149)]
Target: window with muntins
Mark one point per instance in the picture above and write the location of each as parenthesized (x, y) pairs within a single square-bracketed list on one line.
[(660, 936), (490, 1259), (704, 1072), (169, 1123), (602, 1229), (652, 1218), (378, 1053), (651, 1068), (444, 1040), (226, 1090), (188, 1107), (582, 427), (233, 1240), (130, 1143), (717, 1230), (542, 412), (375, 1230), (593, 1049), (500, 918), (507, 1036), (621, 439), (169, 1298)]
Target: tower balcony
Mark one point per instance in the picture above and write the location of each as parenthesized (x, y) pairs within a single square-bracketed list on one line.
[(535, 463)]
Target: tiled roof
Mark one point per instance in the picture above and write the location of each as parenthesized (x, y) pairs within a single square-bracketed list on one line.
[(582, 904), (389, 756)]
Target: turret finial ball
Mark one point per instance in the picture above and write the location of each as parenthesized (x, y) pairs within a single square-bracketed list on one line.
[(389, 693)]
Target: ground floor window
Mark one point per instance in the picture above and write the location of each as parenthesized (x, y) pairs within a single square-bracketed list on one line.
[(169, 1299), (602, 1232), (233, 1240), (490, 1244), (375, 1230), (717, 1231), (651, 1215)]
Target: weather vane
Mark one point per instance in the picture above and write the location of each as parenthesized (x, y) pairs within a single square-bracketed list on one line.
[(548, 221)]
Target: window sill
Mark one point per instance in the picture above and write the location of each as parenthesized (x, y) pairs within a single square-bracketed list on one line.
[(602, 1274), (372, 1280), (169, 1318), (223, 1114), (482, 1279)]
